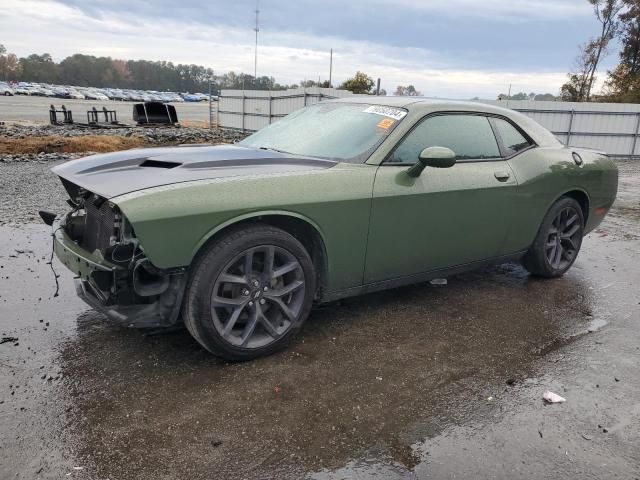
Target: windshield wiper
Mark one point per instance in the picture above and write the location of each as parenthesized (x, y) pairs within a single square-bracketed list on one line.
[(274, 150)]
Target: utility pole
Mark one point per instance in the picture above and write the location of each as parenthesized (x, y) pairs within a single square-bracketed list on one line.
[(210, 107), (255, 59), (330, 66)]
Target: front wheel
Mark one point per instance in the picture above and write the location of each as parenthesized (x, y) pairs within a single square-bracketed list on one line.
[(249, 293), (558, 242)]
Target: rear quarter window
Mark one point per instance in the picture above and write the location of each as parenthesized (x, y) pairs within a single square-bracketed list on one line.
[(513, 141)]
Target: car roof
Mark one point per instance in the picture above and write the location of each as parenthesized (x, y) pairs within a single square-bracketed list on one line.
[(420, 103), (423, 106)]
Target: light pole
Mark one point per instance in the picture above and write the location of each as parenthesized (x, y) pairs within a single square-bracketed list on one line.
[(255, 58), (330, 66)]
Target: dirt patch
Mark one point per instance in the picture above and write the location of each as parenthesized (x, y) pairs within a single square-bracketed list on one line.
[(56, 144)]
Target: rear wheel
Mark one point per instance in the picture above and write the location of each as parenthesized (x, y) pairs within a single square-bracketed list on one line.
[(249, 293), (558, 242)]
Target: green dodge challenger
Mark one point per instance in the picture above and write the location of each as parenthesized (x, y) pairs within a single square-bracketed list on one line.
[(337, 199)]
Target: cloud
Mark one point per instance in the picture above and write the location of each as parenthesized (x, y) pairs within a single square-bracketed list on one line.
[(442, 59), (517, 10)]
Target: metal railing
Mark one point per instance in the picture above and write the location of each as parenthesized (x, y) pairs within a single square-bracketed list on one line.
[(571, 132), (270, 99)]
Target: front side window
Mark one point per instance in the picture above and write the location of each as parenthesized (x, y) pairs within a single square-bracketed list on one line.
[(512, 139), (469, 136), (336, 131)]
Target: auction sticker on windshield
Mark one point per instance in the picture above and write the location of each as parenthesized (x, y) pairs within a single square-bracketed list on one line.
[(395, 113), (386, 123)]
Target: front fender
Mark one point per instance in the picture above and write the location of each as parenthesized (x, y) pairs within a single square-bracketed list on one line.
[(256, 215)]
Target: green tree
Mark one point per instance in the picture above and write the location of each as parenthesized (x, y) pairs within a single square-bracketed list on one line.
[(39, 68), (576, 89), (580, 82), (360, 83), (408, 91), (10, 67), (623, 83)]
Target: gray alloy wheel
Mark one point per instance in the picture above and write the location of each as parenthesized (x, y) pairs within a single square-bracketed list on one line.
[(258, 296), (558, 242), (249, 292), (564, 238)]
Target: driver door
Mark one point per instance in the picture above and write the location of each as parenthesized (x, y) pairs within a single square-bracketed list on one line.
[(445, 217)]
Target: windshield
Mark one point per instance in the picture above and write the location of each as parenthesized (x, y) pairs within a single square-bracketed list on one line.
[(337, 131)]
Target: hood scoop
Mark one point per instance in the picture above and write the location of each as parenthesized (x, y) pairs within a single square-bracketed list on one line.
[(159, 164)]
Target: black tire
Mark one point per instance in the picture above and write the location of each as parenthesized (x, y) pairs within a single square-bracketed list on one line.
[(558, 241), (234, 324)]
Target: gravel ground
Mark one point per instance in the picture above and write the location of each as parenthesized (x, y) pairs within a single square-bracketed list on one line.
[(152, 135)]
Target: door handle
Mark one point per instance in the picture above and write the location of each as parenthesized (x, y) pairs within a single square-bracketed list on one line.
[(502, 176)]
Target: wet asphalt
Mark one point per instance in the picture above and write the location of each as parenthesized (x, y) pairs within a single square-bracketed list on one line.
[(414, 383)]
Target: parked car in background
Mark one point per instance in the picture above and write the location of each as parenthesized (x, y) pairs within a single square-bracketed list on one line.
[(6, 90), (76, 95), (61, 92), (195, 97), (338, 199), (21, 91), (92, 94)]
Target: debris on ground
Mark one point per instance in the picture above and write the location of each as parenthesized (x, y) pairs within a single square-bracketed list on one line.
[(8, 340), (553, 397)]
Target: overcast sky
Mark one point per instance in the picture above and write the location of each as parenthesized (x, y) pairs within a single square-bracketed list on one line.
[(446, 48)]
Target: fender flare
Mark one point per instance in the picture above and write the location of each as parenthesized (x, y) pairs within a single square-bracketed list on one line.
[(253, 215)]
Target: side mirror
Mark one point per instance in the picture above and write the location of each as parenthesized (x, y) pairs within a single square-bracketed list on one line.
[(435, 157)]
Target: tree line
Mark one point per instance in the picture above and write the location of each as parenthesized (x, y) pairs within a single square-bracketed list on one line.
[(90, 71), (617, 19)]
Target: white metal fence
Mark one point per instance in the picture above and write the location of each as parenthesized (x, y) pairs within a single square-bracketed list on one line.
[(255, 109), (611, 127)]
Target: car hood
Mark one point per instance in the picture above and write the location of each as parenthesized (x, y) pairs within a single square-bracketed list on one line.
[(113, 174)]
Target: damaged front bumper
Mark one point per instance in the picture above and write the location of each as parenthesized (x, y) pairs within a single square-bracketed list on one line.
[(100, 284)]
